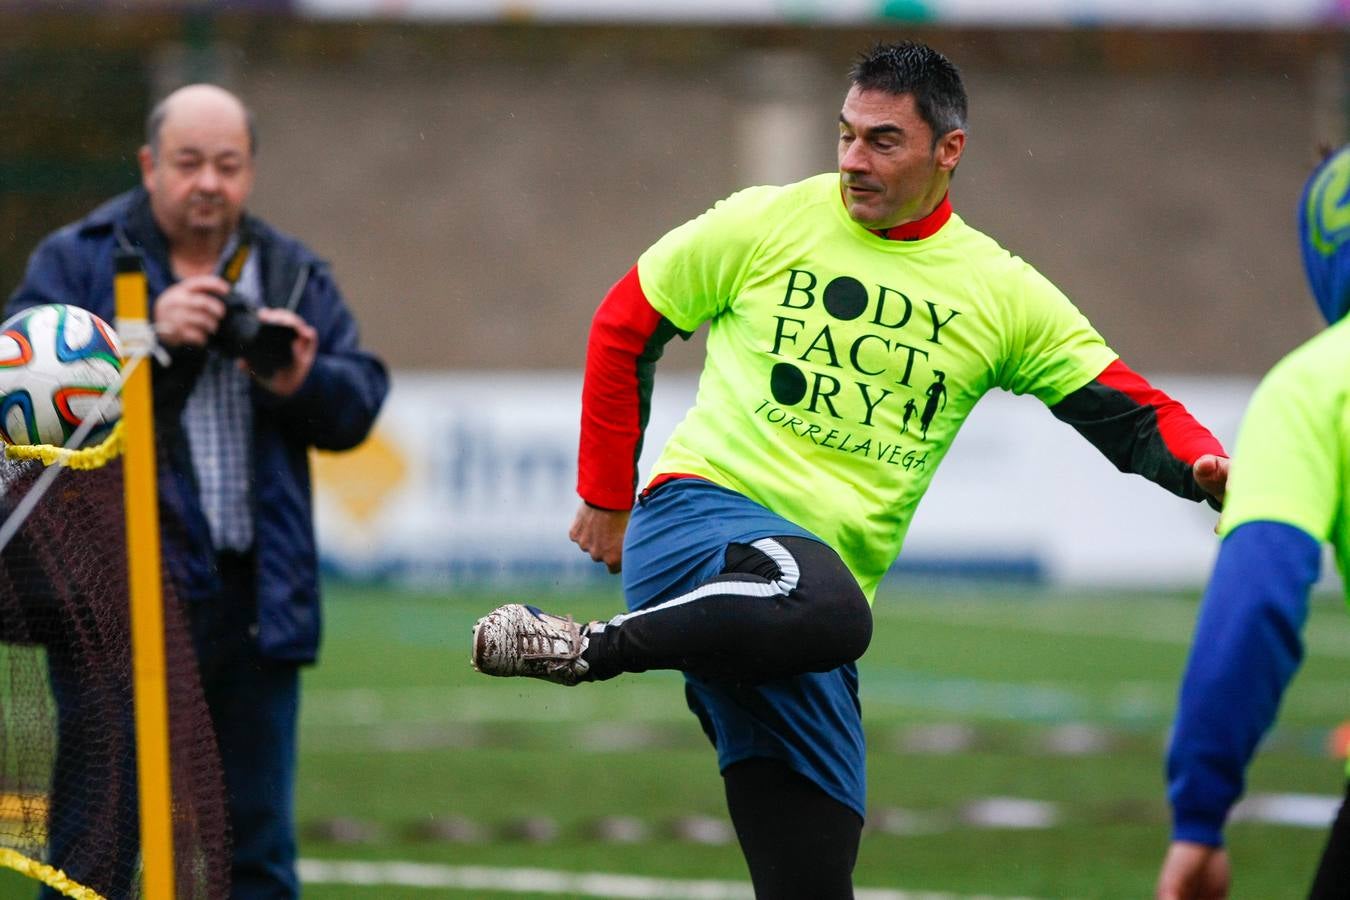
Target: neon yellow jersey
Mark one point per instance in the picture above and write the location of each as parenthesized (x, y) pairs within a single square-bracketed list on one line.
[(840, 365), (1293, 449)]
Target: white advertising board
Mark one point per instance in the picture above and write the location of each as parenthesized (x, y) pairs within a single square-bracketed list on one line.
[(470, 478)]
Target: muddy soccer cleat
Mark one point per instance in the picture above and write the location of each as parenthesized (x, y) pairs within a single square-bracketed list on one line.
[(521, 640)]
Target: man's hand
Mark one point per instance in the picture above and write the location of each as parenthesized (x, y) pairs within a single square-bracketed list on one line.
[(189, 312), (1193, 872), (1211, 474), (599, 532), (287, 380)]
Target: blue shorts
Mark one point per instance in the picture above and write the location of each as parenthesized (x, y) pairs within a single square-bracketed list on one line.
[(677, 539)]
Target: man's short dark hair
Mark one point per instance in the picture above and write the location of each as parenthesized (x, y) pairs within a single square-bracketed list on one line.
[(908, 67)]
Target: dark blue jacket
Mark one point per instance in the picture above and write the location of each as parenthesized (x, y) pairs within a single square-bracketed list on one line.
[(333, 410)]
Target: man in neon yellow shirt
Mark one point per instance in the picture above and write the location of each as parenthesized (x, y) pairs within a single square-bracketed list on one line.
[(1288, 496), (838, 308)]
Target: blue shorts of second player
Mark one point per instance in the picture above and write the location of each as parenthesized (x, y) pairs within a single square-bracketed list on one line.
[(677, 539)]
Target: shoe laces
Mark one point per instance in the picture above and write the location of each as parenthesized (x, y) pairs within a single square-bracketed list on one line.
[(541, 644)]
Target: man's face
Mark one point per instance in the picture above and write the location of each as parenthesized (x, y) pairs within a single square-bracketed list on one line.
[(203, 173), (889, 170)]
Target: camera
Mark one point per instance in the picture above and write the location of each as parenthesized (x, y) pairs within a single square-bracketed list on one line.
[(265, 346)]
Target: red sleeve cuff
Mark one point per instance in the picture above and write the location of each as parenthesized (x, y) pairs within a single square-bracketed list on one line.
[(1184, 437)]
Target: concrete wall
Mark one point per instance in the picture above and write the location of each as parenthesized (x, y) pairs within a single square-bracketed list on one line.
[(478, 189)]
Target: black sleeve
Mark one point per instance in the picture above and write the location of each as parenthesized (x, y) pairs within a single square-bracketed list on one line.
[(1127, 431)]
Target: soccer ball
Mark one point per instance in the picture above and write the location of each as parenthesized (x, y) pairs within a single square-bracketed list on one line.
[(56, 362)]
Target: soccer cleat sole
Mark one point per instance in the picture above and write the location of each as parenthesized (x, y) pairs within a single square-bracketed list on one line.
[(479, 638)]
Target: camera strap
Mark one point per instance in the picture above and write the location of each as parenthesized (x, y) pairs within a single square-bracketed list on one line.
[(234, 266)]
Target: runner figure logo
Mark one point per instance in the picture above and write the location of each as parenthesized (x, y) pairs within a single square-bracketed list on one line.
[(864, 355)]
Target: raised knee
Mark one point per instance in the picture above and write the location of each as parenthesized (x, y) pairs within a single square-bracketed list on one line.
[(838, 621), (852, 625)]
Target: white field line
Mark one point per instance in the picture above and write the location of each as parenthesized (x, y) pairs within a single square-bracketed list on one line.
[(417, 717), (570, 884), (420, 712), (647, 701), (1159, 631)]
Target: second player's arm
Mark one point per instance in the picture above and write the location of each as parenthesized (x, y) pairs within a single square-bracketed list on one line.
[(1286, 500)]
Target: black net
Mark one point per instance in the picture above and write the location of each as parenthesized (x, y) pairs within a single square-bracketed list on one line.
[(68, 789)]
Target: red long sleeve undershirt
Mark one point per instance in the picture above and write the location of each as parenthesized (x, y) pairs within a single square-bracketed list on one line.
[(613, 411)]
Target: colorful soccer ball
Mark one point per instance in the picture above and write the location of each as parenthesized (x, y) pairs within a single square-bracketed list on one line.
[(56, 362)]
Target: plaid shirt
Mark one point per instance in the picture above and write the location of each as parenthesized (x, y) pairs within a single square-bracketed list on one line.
[(218, 418)]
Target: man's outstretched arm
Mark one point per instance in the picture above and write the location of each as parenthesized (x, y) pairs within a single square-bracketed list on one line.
[(627, 337), (1141, 429)]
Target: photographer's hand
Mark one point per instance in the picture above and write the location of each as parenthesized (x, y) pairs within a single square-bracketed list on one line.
[(287, 380), (189, 312)]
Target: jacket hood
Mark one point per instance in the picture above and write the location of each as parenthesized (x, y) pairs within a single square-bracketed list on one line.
[(1324, 234)]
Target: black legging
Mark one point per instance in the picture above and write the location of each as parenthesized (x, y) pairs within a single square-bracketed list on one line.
[(781, 606), (799, 842), (1333, 873)]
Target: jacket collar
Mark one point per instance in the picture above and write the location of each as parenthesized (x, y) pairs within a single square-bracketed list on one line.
[(130, 217), (138, 228)]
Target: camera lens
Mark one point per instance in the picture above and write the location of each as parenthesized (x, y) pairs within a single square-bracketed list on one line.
[(238, 328), (265, 346)]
